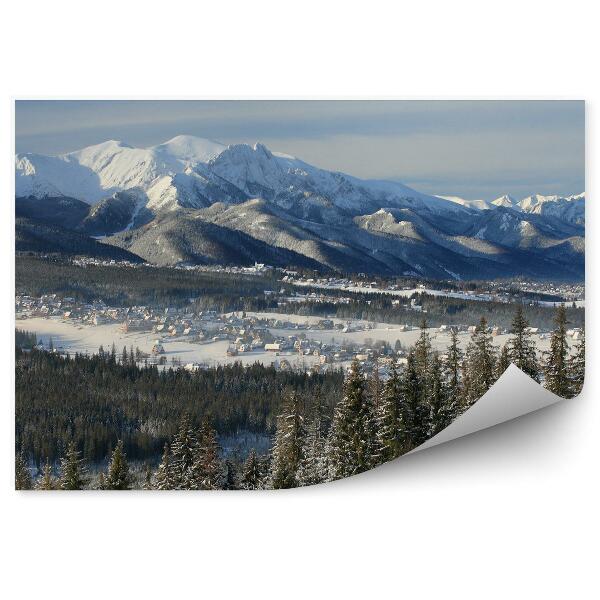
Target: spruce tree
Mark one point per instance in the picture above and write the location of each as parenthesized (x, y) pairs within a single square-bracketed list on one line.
[(230, 479), (23, 480), (441, 410), (72, 470), (389, 419), (252, 473), (374, 387), (184, 450), (46, 481), (352, 442), (452, 367), (288, 444), (521, 348), (164, 479), (414, 409), (118, 476), (503, 361), (481, 362), (313, 464), (207, 469), (423, 354), (557, 362), (577, 366), (147, 485)]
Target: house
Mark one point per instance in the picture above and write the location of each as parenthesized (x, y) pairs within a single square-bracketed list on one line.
[(157, 348), (275, 347)]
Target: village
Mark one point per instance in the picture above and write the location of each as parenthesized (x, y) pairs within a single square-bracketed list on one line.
[(180, 337), (491, 291)]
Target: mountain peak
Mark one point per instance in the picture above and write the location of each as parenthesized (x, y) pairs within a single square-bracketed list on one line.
[(189, 148), (506, 200)]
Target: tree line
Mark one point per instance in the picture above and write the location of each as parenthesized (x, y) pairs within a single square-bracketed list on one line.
[(97, 400), (373, 421)]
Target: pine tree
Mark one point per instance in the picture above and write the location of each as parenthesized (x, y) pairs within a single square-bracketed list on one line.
[(557, 363), (374, 388), (423, 355), (118, 476), (164, 479), (23, 480), (481, 363), (287, 446), (184, 450), (207, 469), (465, 385), (577, 367), (252, 473), (521, 348), (230, 479), (147, 485), (441, 412), (352, 441), (313, 465), (389, 419), (503, 361), (414, 410), (452, 367), (46, 481), (72, 470)]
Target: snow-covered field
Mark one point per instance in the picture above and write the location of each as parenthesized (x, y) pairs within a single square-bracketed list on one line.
[(402, 293), (429, 291), (73, 337)]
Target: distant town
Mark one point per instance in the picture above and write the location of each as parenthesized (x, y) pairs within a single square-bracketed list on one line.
[(180, 337)]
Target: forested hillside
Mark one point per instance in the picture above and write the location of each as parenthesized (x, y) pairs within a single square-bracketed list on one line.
[(325, 427)]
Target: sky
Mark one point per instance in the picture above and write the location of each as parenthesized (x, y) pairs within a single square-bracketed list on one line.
[(472, 149)]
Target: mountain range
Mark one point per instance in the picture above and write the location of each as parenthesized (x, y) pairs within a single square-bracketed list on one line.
[(196, 201)]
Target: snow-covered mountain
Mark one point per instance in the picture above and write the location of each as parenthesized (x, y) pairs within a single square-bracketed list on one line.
[(570, 209), (189, 198), (191, 172), (476, 204), (506, 201)]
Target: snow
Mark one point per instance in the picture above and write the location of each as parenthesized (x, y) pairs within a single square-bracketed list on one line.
[(186, 170), (72, 337), (175, 167), (506, 201), (476, 204)]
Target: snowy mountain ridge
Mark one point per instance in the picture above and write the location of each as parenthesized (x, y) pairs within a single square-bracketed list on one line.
[(192, 200), (192, 172)]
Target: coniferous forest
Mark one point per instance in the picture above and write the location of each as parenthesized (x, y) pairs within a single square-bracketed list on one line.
[(102, 422)]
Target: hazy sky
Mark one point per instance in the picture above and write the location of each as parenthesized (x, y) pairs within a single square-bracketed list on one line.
[(474, 149)]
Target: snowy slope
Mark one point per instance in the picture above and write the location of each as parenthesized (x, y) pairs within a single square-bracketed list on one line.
[(97, 171), (193, 172), (570, 209), (506, 201), (176, 201), (476, 204)]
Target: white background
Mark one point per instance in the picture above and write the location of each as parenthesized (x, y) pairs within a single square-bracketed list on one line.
[(508, 513)]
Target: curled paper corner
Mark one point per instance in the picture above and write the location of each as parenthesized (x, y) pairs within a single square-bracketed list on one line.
[(513, 395)]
